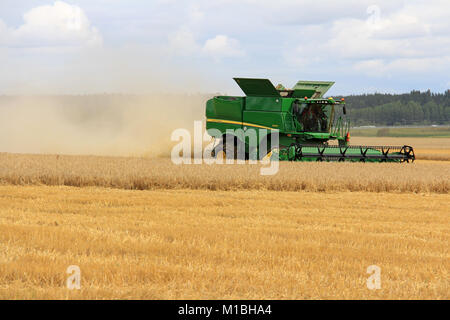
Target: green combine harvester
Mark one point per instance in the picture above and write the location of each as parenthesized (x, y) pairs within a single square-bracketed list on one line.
[(310, 127)]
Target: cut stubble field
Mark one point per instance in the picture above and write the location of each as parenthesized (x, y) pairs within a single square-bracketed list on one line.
[(201, 244)]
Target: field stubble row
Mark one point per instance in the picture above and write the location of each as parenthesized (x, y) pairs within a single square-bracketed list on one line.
[(198, 244)]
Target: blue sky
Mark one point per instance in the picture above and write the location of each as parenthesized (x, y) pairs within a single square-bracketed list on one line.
[(198, 46)]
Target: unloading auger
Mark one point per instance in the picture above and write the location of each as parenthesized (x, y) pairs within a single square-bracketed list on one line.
[(306, 123)]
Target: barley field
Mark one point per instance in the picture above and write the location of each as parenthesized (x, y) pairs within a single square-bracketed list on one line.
[(153, 174), (144, 228)]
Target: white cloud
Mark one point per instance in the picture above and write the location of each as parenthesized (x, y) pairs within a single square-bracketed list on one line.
[(222, 46), (381, 67), (182, 42), (60, 24), (411, 39), (406, 42)]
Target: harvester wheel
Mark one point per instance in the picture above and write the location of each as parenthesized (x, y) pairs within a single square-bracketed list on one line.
[(218, 153), (229, 151)]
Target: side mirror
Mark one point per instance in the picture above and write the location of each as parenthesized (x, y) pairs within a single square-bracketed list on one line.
[(344, 110)]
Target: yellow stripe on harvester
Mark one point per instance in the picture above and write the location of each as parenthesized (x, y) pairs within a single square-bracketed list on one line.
[(224, 121), (239, 123)]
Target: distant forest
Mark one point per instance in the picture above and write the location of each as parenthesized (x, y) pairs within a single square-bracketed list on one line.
[(414, 108)]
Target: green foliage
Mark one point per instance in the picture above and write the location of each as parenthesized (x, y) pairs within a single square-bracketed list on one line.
[(414, 108)]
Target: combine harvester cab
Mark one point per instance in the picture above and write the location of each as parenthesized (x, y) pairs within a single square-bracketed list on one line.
[(310, 127)]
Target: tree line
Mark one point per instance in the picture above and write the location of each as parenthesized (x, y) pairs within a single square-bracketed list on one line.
[(414, 108)]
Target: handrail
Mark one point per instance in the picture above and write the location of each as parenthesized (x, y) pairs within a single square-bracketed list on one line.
[(340, 127)]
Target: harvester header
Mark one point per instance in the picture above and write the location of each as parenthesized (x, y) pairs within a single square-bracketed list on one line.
[(307, 123)]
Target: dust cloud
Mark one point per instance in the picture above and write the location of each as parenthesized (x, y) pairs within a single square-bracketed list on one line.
[(52, 102), (115, 124)]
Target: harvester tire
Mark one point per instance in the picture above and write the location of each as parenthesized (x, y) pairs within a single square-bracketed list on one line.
[(231, 151)]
